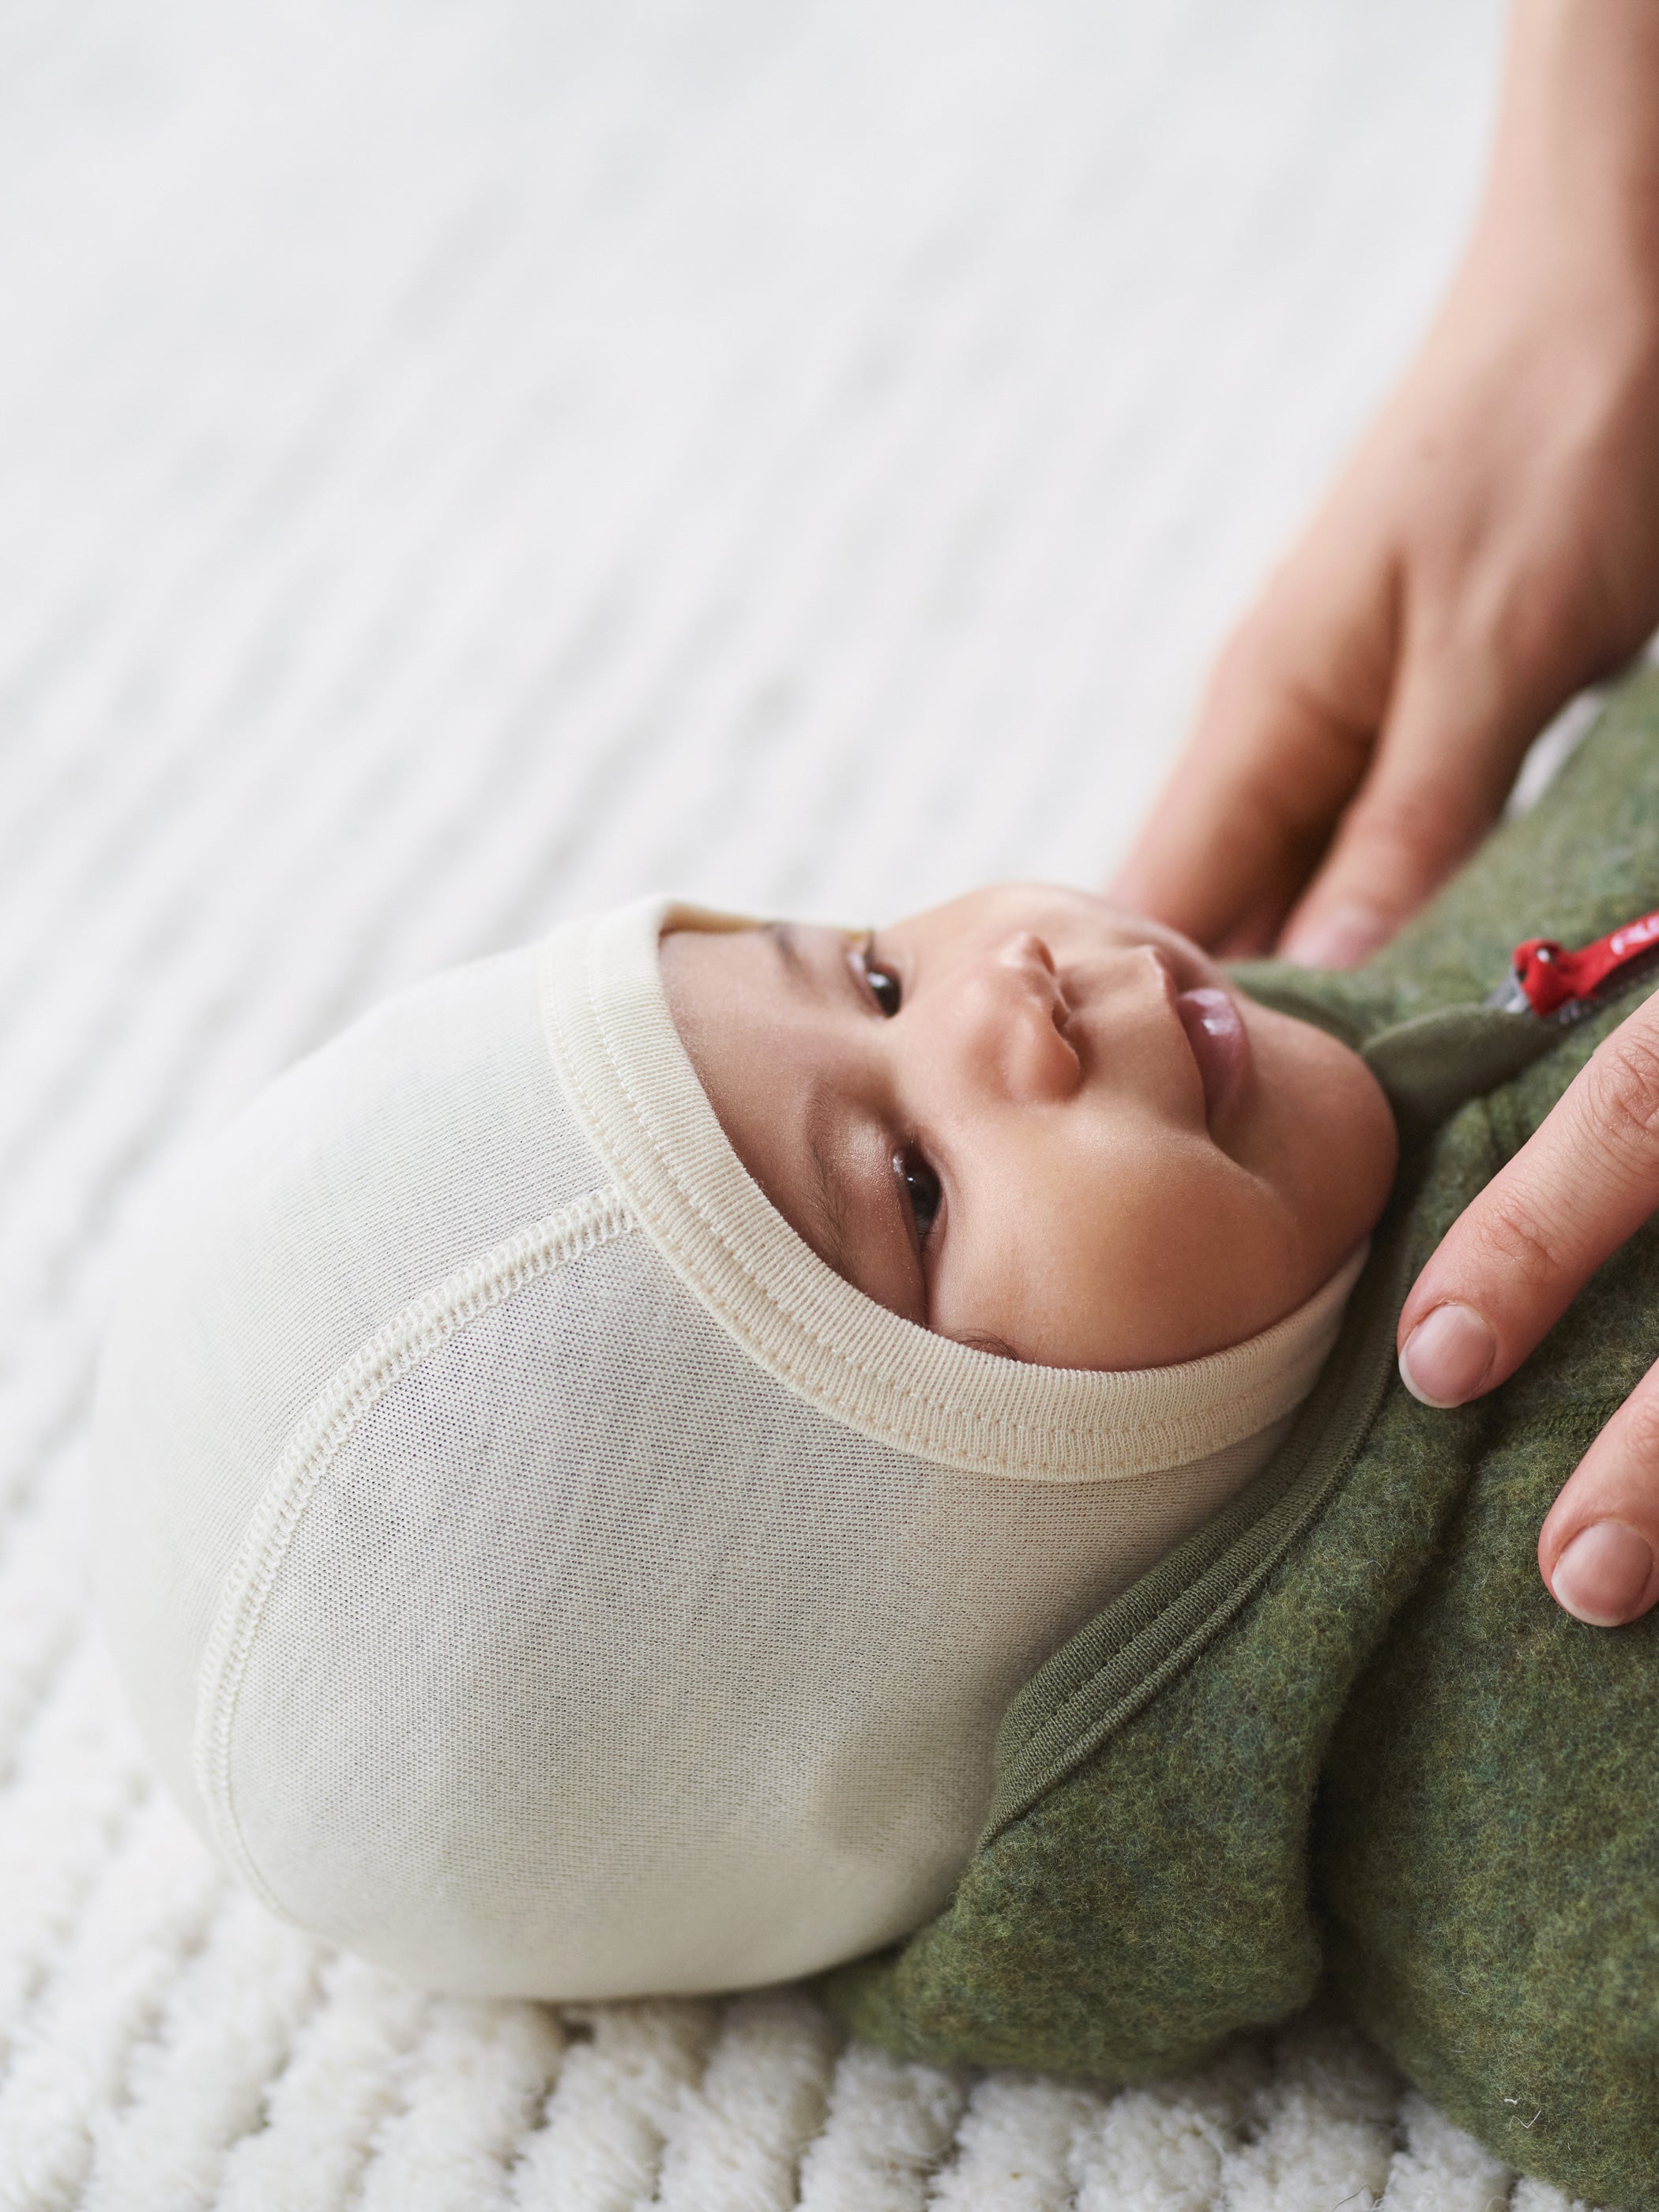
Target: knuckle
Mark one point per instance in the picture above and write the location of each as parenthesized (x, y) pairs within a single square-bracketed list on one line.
[(1420, 825), (1620, 1096), (1518, 1241), (1639, 1427)]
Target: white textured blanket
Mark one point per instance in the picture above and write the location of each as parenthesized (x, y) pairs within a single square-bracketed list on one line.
[(462, 460)]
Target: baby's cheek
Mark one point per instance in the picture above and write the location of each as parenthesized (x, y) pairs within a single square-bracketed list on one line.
[(1180, 1255), (1325, 1145), (1218, 1262)]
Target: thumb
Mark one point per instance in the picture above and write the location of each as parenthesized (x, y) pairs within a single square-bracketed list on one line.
[(1448, 754)]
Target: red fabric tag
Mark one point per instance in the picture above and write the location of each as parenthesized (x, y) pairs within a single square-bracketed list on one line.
[(1552, 977)]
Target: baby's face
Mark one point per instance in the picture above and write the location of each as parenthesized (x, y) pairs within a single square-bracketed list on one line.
[(1035, 1123)]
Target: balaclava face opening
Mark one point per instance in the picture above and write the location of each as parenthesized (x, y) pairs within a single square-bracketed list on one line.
[(534, 1569)]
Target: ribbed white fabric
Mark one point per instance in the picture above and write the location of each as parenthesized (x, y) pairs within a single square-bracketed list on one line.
[(631, 1605)]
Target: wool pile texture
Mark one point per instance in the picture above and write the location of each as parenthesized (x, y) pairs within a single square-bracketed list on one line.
[(464, 465)]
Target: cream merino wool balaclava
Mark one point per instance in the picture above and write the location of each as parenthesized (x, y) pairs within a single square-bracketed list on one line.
[(533, 1569)]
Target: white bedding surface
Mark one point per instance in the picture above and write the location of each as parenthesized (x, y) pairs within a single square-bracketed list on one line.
[(461, 462)]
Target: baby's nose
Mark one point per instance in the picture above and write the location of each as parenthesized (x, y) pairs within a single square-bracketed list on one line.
[(1027, 954), (1028, 960), (1017, 1014)]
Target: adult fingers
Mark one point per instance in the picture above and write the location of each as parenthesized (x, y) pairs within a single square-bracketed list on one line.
[(1253, 799), (1447, 757), (1598, 1550), (1514, 1260)]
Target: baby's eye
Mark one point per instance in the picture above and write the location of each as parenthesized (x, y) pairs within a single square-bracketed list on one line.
[(921, 1189), (885, 986)]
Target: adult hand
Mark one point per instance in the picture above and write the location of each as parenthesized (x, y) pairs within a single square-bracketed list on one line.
[(1507, 1270), (1493, 545)]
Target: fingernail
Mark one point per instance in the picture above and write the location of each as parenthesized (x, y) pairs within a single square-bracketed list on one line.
[(1448, 1356), (1601, 1575), (1340, 938)]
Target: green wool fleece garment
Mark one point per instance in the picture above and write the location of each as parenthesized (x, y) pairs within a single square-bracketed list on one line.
[(1344, 1728)]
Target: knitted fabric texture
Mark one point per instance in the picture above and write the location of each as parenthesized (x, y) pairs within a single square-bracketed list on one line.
[(1344, 1727), (533, 1569)]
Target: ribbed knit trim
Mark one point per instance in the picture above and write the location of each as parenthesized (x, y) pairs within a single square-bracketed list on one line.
[(323, 1431), (632, 1085)]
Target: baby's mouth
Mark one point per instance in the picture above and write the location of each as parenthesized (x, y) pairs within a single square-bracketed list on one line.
[(1220, 1044)]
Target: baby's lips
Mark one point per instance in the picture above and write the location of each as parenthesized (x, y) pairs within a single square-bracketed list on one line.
[(1220, 1045)]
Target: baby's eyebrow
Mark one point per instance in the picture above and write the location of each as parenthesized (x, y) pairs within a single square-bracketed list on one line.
[(786, 938), (829, 1197)]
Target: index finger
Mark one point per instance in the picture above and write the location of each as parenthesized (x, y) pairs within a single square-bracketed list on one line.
[(1513, 1261)]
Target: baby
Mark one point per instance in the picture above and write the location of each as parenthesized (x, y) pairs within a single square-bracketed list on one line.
[(694, 1452), (547, 1566)]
